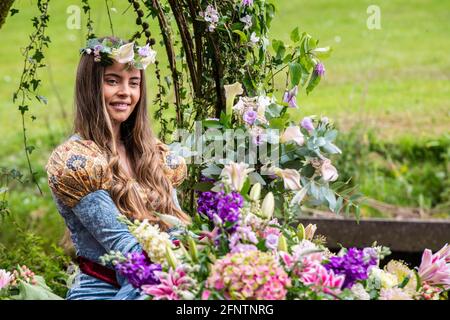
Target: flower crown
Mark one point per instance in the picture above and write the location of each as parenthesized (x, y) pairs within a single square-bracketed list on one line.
[(107, 49)]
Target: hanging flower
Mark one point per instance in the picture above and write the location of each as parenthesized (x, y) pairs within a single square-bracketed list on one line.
[(307, 123), (290, 97), (291, 178)]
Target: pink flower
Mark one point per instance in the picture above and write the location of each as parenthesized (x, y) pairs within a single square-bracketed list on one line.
[(174, 285), (328, 171), (435, 268), (5, 278), (319, 278)]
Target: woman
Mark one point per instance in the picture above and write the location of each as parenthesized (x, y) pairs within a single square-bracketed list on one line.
[(111, 165)]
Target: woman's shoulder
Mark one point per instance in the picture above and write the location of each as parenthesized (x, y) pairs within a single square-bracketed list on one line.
[(174, 165), (77, 167)]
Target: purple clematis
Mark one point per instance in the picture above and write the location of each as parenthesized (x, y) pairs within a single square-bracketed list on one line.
[(290, 97)]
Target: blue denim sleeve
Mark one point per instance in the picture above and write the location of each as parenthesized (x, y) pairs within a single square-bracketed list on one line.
[(98, 213)]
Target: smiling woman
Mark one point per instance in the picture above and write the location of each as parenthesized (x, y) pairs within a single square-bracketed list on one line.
[(111, 165)]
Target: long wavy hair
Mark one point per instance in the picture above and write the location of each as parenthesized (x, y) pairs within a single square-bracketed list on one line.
[(92, 122)]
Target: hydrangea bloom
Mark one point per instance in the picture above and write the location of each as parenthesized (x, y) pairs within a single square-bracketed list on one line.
[(251, 275), (138, 269), (355, 265)]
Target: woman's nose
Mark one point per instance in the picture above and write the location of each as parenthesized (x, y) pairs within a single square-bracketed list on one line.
[(124, 90)]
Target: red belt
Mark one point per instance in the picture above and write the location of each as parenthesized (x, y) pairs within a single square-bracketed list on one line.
[(98, 271)]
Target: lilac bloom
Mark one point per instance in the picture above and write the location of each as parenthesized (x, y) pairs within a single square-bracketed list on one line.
[(319, 69), (290, 97), (250, 117), (307, 124)]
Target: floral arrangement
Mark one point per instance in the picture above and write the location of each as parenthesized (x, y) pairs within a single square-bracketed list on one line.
[(110, 49), (236, 249), (24, 284)]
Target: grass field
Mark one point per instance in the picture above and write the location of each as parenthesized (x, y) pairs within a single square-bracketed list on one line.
[(394, 80)]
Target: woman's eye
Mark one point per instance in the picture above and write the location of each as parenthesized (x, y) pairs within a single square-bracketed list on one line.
[(135, 84), (111, 81)]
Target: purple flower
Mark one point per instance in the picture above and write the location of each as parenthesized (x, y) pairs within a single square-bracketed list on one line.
[(225, 206), (319, 69), (307, 124), (355, 265), (250, 116), (247, 3), (272, 241), (98, 48), (138, 269), (243, 248), (144, 51), (290, 97)]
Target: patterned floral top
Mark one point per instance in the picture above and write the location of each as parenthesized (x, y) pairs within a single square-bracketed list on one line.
[(78, 167)]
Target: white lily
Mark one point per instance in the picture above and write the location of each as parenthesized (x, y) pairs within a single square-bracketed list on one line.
[(124, 54), (234, 174)]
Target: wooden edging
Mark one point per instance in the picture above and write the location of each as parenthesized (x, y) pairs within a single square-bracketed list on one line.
[(403, 236)]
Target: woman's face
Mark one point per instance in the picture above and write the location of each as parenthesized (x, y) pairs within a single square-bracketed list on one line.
[(121, 90)]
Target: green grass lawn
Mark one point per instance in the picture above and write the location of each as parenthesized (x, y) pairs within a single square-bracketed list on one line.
[(395, 80)]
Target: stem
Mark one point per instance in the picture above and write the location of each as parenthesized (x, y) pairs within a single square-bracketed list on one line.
[(109, 18)]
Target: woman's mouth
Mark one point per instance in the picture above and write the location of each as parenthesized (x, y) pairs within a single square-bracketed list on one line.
[(119, 106)]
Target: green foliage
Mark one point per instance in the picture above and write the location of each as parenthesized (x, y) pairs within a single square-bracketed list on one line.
[(31, 250)]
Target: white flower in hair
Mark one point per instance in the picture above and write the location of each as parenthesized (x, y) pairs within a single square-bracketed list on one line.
[(124, 54)]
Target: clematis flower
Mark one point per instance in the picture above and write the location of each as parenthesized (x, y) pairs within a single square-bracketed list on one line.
[(291, 178), (292, 133), (328, 171), (234, 174), (434, 269), (231, 91), (124, 54), (290, 97), (5, 278)]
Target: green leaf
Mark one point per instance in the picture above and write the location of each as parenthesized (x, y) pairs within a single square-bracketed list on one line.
[(313, 82), (39, 291), (38, 56), (331, 148), (295, 71), (30, 149), (212, 124), (331, 135), (23, 109), (203, 186), (243, 37), (295, 35), (322, 53), (13, 11)]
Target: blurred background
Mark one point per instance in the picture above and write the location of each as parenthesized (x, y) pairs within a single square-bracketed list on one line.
[(386, 89)]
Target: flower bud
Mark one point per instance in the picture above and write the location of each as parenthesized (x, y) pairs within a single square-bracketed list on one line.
[(193, 249), (255, 192), (309, 231), (301, 231), (268, 206), (170, 256), (184, 251), (282, 244)]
